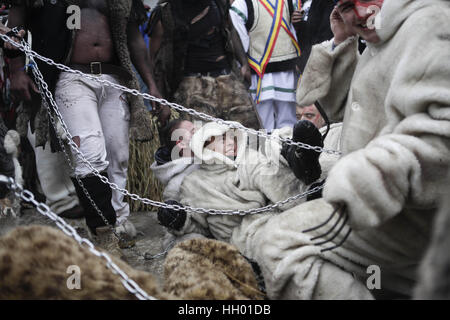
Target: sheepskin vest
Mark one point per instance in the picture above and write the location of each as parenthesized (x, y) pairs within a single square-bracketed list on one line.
[(119, 14), (263, 28)]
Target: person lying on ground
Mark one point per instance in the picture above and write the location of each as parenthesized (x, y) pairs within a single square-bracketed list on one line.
[(232, 176)]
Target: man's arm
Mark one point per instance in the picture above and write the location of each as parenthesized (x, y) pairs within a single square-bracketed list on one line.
[(141, 60), (329, 70), (156, 37), (406, 166), (240, 54), (21, 83)]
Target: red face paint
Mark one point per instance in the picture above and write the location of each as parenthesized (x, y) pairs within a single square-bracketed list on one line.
[(363, 5)]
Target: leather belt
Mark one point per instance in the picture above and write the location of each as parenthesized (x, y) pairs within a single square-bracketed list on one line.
[(99, 68)]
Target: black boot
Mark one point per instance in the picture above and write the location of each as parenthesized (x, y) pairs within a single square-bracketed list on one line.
[(101, 193), (304, 162)]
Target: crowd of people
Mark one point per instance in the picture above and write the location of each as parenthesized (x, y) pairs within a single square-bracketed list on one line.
[(352, 97)]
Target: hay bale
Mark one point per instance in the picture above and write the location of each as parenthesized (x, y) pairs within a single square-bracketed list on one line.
[(141, 180)]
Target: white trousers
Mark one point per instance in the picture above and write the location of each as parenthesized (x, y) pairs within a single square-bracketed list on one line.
[(276, 114), (53, 172), (97, 117)]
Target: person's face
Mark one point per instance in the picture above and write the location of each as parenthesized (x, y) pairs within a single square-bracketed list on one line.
[(311, 113), (359, 16), (184, 134), (225, 144)]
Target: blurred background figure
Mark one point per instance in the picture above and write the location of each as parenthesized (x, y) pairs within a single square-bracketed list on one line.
[(311, 21), (273, 54)]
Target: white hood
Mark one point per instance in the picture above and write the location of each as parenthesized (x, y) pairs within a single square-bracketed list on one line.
[(207, 156)]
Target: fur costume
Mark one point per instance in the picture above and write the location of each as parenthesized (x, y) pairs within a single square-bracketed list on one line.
[(251, 180), (239, 184), (6, 160), (199, 269), (170, 59), (171, 175), (120, 11), (10, 167), (224, 96), (434, 281), (395, 101), (34, 261)]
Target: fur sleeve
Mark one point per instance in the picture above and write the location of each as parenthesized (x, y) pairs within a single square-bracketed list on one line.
[(406, 165), (195, 222), (327, 76), (277, 183)]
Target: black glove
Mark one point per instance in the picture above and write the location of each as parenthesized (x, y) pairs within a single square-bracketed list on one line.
[(172, 219), (304, 162), (317, 194)]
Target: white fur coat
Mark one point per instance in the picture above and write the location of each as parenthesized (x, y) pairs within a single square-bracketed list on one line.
[(171, 174), (249, 181), (395, 104)]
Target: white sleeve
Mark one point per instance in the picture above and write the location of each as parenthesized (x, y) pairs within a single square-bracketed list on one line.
[(239, 16)]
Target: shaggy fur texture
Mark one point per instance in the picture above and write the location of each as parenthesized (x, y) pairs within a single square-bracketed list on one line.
[(200, 268), (396, 150), (119, 11), (12, 143), (9, 205), (434, 272), (34, 262)]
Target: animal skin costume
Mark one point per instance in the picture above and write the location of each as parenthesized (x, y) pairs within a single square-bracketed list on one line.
[(189, 65)]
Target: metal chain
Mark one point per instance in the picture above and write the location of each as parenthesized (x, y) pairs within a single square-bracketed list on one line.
[(29, 52), (43, 209), (148, 256), (136, 197)]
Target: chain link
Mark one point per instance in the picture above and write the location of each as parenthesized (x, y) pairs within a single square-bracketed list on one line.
[(41, 82), (25, 48), (43, 209)]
